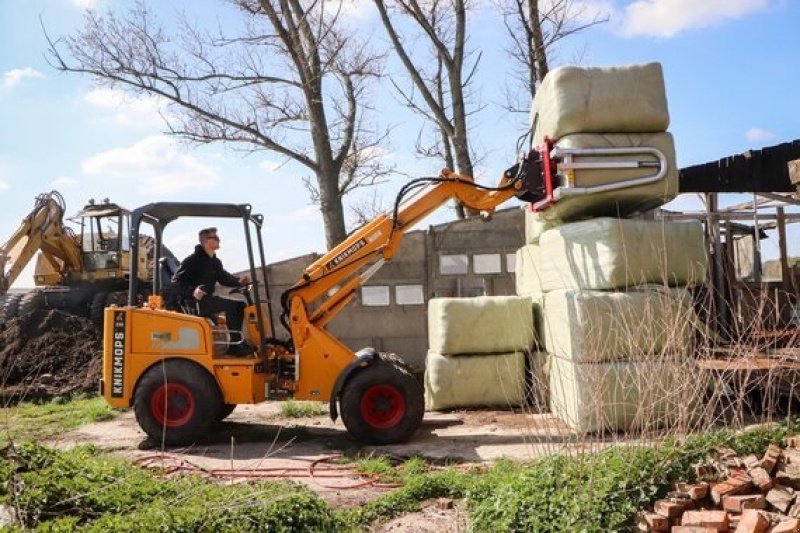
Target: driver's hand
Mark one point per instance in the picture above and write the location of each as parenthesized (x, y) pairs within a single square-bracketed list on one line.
[(244, 280), (198, 293)]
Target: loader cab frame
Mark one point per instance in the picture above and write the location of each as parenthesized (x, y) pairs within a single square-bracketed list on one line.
[(104, 235), (159, 215)]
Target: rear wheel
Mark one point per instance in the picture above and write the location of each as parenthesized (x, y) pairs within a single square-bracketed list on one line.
[(176, 402), (227, 409), (382, 404)]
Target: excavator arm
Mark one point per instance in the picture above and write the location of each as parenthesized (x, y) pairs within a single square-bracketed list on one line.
[(331, 282), (42, 230)]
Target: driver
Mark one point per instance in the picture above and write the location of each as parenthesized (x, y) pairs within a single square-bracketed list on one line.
[(197, 277)]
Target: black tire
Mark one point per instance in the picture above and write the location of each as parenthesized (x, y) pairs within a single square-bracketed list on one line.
[(97, 307), (191, 402), (382, 404), (10, 308), (30, 302), (227, 409)]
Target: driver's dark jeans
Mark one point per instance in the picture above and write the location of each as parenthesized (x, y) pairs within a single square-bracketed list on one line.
[(234, 310)]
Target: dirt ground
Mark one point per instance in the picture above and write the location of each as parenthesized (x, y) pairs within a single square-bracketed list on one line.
[(256, 442), (48, 353)]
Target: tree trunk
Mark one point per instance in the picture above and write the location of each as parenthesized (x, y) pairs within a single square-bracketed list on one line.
[(330, 205)]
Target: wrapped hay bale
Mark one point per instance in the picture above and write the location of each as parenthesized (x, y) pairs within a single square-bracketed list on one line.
[(526, 273), (622, 396), (485, 324), (618, 202), (590, 99), (600, 326), (535, 225), (474, 380), (611, 253)]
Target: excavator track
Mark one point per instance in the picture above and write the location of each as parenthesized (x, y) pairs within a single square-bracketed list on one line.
[(10, 307)]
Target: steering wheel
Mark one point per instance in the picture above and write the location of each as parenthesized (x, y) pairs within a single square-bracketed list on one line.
[(244, 290)]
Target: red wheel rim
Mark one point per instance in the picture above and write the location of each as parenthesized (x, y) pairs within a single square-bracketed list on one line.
[(172, 405), (383, 406)]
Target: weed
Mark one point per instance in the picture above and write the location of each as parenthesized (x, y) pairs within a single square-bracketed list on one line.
[(297, 409), (31, 421)]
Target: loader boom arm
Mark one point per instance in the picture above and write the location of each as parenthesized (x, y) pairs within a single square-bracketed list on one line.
[(332, 280), (42, 230)]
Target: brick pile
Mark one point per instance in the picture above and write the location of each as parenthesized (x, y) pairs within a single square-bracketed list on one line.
[(735, 494)]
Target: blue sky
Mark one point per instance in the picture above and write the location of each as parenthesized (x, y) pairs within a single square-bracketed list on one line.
[(730, 68)]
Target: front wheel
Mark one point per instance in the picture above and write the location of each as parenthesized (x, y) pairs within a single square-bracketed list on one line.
[(177, 402), (382, 404)]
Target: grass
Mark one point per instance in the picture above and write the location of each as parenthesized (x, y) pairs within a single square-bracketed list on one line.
[(32, 421), (86, 489), (298, 409)]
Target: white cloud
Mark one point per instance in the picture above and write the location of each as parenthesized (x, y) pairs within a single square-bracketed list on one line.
[(155, 165), (64, 182), (269, 166), (759, 134), (667, 18), (13, 77), (84, 4), (358, 9), (306, 213), (4, 185), (126, 110)]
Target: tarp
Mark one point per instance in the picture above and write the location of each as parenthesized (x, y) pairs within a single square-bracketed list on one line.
[(621, 396), (590, 99), (611, 253), (620, 202), (603, 326), (474, 380), (485, 324)]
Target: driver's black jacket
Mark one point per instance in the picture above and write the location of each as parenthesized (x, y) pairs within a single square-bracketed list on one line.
[(200, 270)]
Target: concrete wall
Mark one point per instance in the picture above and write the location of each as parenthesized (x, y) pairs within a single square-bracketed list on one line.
[(402, 328)]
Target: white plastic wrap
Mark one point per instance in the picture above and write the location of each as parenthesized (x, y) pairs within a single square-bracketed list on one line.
[(486, 324), (603, 326), (611, 253), (474, 380), (590, 99), (621, 396), (619, 202)]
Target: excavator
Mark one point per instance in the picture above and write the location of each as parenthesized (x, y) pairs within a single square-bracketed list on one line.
[(171, 365), (79, 272)]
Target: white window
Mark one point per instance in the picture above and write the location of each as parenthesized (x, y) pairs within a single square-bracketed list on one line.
[(511, 263), (409, 295), (375, 295), (453, 264), (486, 263)]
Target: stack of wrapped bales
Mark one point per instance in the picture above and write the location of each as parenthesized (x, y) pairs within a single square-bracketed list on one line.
[(609, 293), (477, 351)]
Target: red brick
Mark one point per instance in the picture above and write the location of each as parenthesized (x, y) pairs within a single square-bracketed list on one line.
[(788, 475), (770, 458), (752, 521), (761, 479), (793, 442), (672, 509), (738, 503), (653, 522), (751, 461), (693, 529), (696, 491), (790, 525), (781, 497), (732, 485), (713, 519)]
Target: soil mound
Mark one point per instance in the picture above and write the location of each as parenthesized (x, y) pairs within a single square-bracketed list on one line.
[(48, 353)]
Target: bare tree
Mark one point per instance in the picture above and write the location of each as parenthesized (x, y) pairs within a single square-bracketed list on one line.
[(534, 28), (441, 94), (291, 81)]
